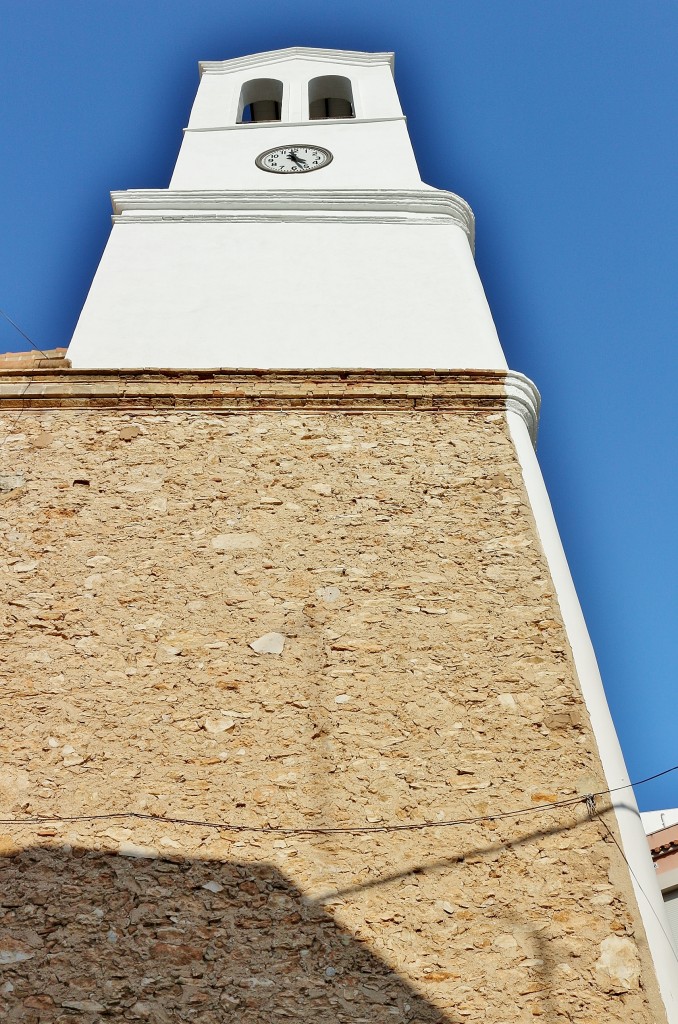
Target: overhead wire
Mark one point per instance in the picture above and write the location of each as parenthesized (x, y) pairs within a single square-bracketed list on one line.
[(30, 380), (587, 799), (594, 813), (22, 333)]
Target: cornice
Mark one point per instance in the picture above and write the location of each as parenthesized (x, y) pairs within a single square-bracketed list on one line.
[(329, 122), (255, 60), (417, 205), (147, 391), (523, 398)]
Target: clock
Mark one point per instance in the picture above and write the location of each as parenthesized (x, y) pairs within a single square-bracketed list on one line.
[(293, 159)]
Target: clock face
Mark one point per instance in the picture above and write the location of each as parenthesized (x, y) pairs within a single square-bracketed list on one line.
[(293, 159)]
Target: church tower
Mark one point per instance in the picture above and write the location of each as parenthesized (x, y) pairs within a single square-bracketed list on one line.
[(306, 239), (304, 718)]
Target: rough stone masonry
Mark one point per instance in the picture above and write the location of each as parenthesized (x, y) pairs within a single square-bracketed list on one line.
[(293, 619)]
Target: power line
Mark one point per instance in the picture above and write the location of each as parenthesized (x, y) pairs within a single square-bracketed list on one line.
[(588, 800), (30, 380), (632, 785), (22, 333), (20, 413), (595, 813)]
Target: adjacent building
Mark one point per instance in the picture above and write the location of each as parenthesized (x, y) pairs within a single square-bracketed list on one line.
[(662, 837)]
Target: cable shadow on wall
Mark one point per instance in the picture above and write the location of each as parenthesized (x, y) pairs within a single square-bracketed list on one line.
[(91, 935)]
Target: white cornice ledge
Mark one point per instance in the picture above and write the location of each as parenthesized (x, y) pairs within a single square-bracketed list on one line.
[(144, 204), (254, 60), (523, 398)]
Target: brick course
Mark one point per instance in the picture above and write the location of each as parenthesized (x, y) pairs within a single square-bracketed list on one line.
[(53, 358)]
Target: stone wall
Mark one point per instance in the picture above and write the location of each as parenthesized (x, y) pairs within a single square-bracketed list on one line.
[(418, 671), (34, 359)]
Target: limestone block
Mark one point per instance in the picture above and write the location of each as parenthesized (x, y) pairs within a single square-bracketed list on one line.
[(618, 966)]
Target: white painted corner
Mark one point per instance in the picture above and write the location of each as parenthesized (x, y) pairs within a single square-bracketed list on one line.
[(633, 837)]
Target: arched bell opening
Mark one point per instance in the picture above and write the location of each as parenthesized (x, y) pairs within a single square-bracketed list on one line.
[(330, 96), (260, 100)]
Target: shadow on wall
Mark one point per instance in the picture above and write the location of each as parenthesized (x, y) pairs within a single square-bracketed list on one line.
[(89, 936)]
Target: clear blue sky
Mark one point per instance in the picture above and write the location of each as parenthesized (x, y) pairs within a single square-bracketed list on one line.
[(556, 121)]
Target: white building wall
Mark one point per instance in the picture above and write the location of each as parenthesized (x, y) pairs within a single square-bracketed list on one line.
[(373, 86), (654, 821), (199, 276), (371, 150), (367, 154), (286, 295)]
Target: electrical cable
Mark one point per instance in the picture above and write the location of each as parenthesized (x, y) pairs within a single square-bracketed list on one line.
[(22, 333), (596, 814), (588, 800), (22, 408), (31, 379)]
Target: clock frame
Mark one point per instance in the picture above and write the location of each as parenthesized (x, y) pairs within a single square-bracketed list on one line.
[(291, 160)]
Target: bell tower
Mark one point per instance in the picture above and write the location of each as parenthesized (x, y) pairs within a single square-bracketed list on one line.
[(305, 720), (344, 102), (296, 232)]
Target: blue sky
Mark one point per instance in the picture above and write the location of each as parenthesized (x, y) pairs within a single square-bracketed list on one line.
[(556, 121)]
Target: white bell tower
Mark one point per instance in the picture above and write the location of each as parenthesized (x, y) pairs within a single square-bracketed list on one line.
[(296, 232), (345, 102)]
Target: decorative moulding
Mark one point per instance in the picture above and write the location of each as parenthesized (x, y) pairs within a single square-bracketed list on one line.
[(226, 390), (420, 205), (330, 121), (225, 67), (522, 397)]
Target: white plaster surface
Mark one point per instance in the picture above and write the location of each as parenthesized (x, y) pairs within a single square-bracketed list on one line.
[(668, 882), (655, 821), (377, 274), (631, 828), (291, 294), (367, 154), (371, 77), (372, 150)]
